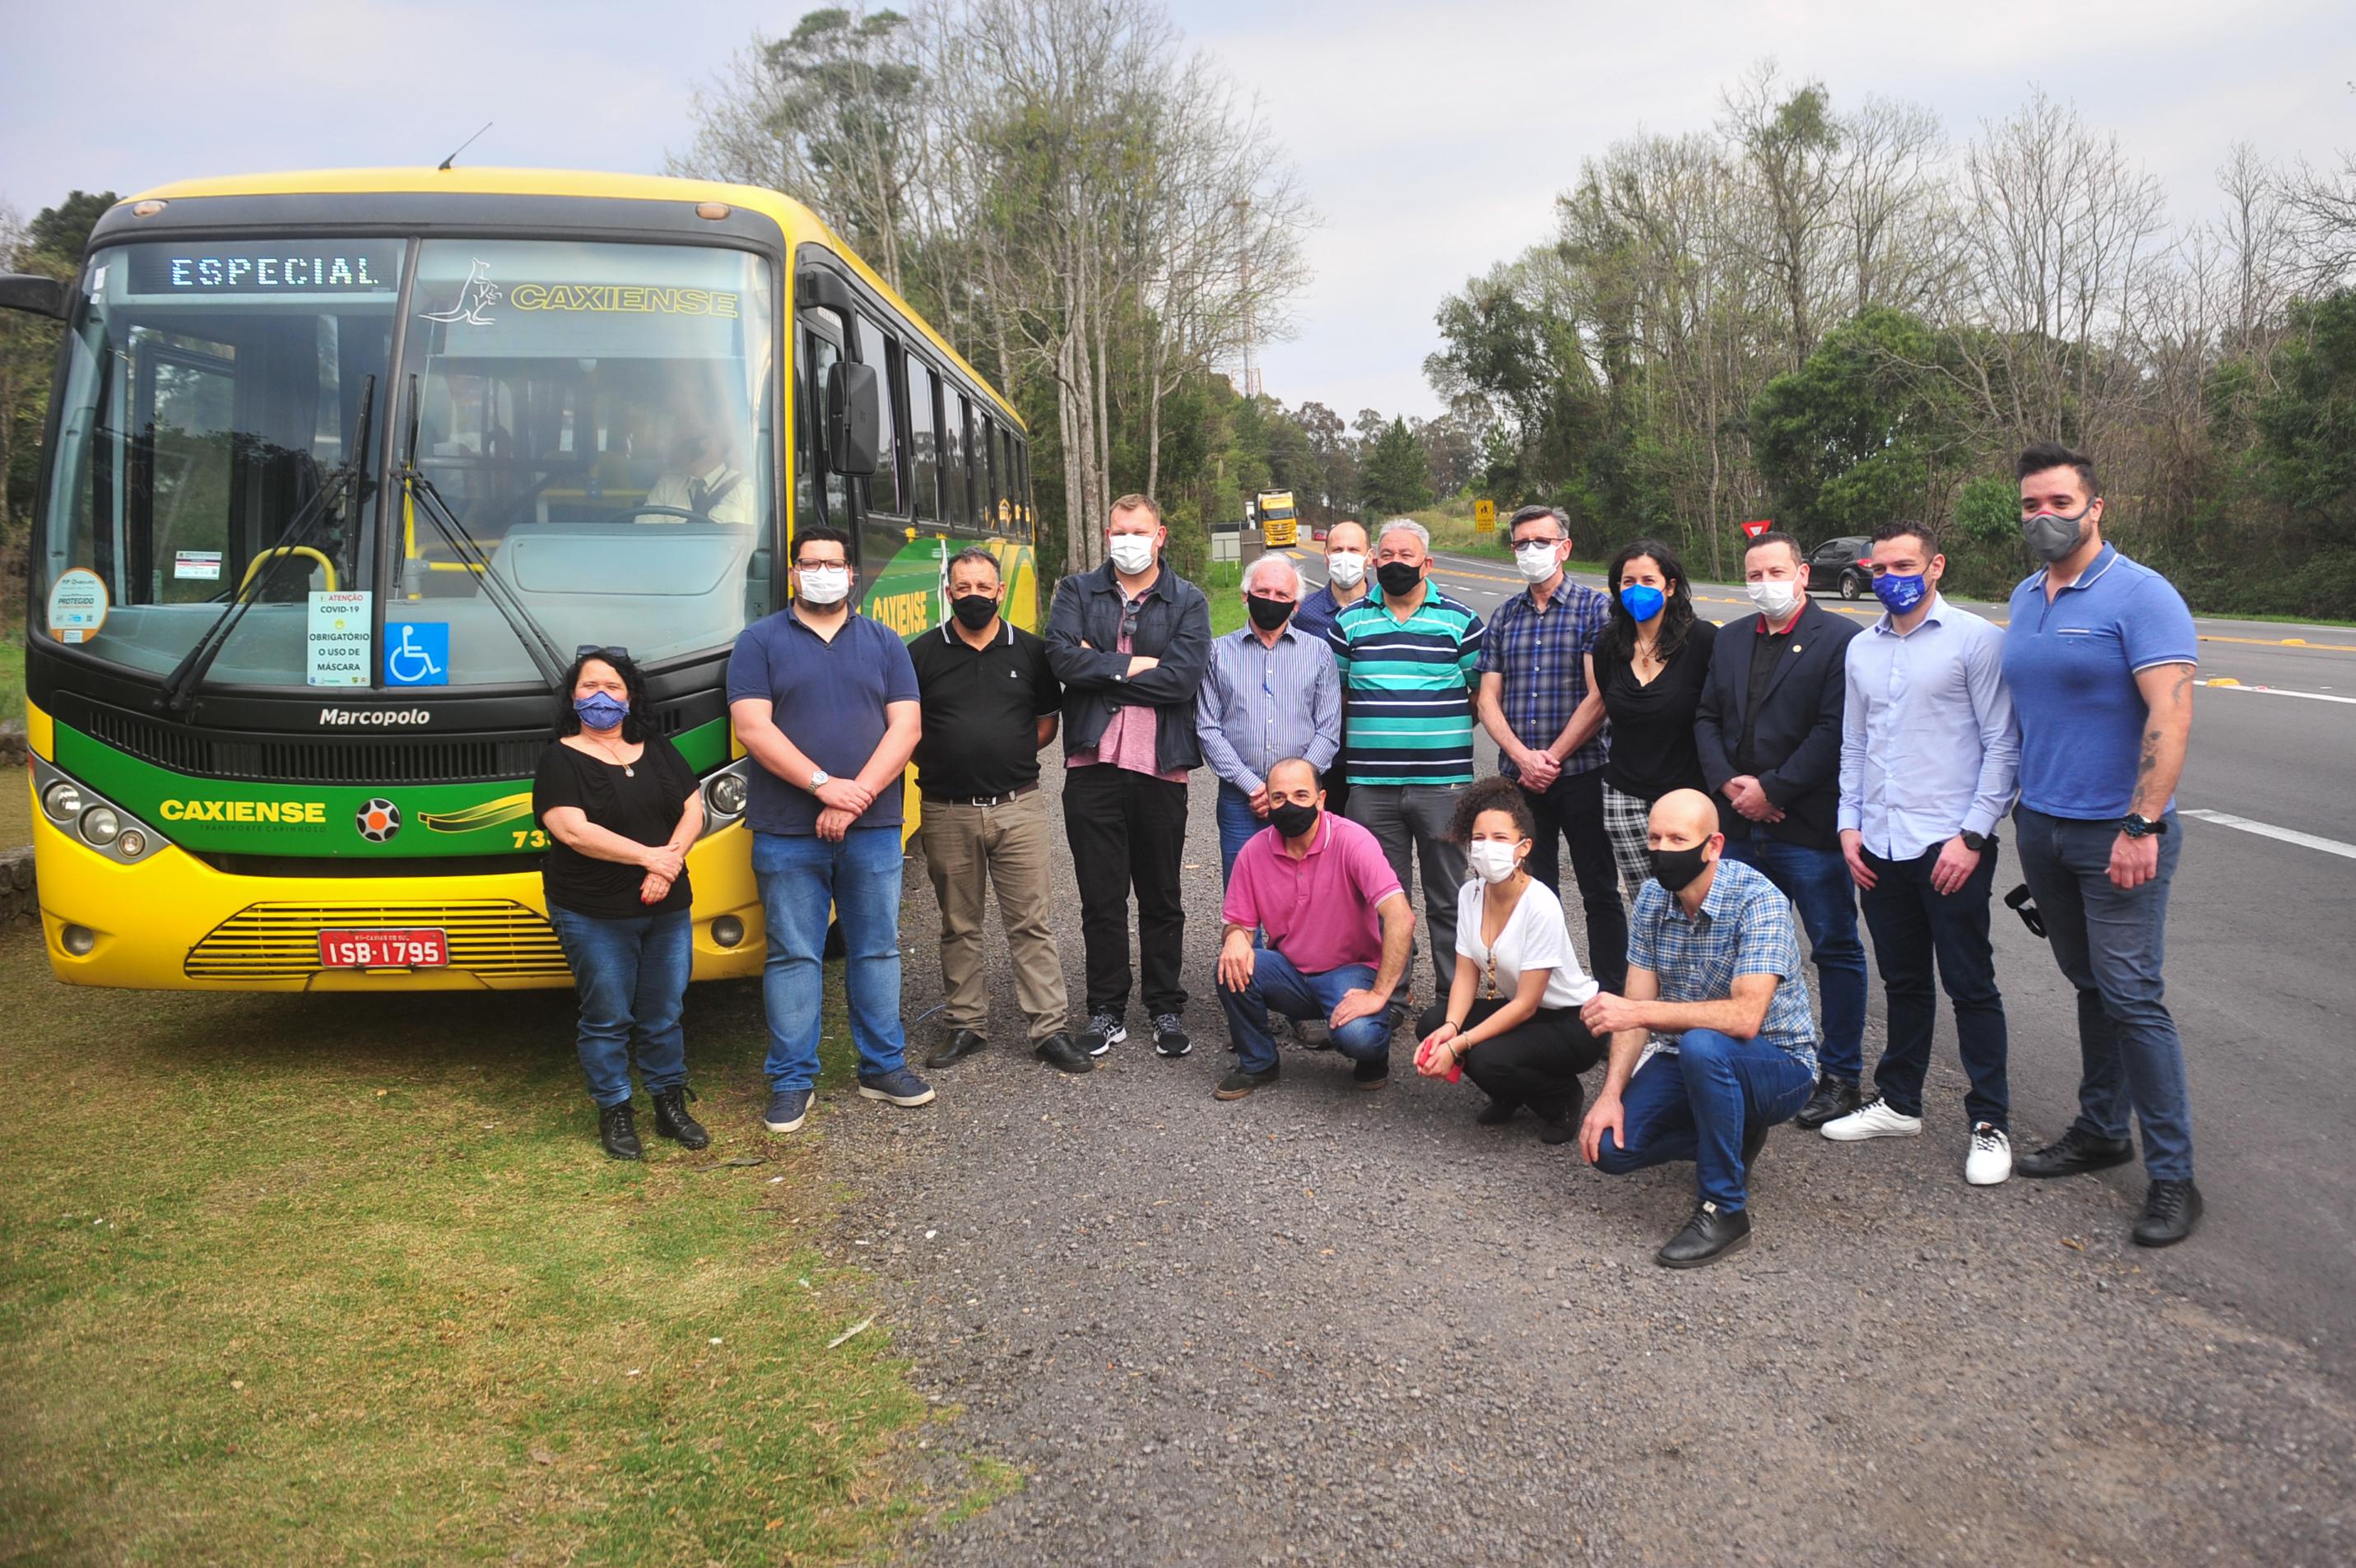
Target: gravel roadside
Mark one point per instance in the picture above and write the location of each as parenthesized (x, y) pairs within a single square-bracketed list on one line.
[(1326, 1326)]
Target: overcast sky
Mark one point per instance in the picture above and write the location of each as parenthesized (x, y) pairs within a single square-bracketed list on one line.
[(1431, 138)]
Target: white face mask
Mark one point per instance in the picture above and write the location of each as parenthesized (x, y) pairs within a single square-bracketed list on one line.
[(823, 584), (1775, 600), (1536, 561), (1131, 553), (1347, 567), (1494, 861)]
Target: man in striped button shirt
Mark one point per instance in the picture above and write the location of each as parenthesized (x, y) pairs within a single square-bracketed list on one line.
[(1407, 657)]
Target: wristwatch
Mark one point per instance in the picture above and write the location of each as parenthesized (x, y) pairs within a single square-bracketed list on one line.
[(2136, 826), (1975, 842), (820, 779)]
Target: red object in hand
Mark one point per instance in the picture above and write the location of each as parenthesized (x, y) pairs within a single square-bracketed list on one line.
[(1455, 1063)]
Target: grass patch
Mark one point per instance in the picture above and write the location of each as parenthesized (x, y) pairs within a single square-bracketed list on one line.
[(348, 1280), (12, 673)]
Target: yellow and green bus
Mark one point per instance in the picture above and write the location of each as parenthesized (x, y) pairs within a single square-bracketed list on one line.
[(343, 468)]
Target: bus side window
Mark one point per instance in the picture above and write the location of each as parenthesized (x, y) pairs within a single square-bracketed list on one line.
[(924, 452), (977, 467), (1023, 488), (994, 498), (883, 490)]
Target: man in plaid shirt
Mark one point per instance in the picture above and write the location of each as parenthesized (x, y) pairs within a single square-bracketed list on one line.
[(1535, 702), (1715, 992)]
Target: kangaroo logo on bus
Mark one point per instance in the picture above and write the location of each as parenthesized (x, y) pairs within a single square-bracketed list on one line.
[(475, 296)]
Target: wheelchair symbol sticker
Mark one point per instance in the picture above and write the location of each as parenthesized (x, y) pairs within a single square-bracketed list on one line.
[(417, 653)]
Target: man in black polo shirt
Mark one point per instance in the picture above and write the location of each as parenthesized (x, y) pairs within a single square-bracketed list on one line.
[(990, 704)]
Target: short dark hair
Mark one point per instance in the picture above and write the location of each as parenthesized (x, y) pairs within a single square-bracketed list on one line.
[(1776, 535), (2047, 455), (1533, 513), (1490, 795), (1901, 530), (973, 555), (821, 535), (637, 724)]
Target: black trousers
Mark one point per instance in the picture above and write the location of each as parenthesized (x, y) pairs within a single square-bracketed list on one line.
[(1573, 807), (1914, 925), (1128, 830), (1536, 1064)]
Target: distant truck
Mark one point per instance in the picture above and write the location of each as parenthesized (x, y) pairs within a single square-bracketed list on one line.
[(1280, 526)]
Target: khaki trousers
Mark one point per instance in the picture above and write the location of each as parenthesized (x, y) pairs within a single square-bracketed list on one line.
[(968, 849)]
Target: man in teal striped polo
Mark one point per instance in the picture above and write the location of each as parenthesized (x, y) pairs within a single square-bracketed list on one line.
[(1406, 654)]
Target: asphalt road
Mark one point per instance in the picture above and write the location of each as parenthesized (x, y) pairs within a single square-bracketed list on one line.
[(2260, 972)]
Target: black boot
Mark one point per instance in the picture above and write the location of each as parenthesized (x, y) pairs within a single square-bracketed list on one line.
[(672, 1121), (618, 1131)]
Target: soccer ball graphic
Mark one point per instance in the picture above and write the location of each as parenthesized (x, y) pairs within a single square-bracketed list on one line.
[(378, 820)]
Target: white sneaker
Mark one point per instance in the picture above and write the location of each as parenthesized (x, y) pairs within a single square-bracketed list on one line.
[(1874, 1119), (1990, 1160)]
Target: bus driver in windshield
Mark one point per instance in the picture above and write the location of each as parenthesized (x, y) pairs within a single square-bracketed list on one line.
[(700, 474)]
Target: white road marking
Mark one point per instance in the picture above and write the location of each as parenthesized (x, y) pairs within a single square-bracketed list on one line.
[(2229, 685), (2268, 830)]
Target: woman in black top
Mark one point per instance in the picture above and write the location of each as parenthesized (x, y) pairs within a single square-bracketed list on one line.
[(1648, 667), (621, 809)]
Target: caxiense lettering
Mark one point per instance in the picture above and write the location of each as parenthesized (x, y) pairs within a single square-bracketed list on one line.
[(290, 811)]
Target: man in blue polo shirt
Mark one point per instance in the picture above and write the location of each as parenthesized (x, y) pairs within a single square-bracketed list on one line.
[(826, 702), (2100, 656)]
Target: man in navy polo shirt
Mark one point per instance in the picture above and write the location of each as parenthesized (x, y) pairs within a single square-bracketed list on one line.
[(2100, 655), (826, 701)]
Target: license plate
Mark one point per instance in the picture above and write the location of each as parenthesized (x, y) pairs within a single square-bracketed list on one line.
[(383, 949)]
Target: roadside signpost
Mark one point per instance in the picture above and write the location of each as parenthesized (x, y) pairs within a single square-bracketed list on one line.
[(1484, 516)]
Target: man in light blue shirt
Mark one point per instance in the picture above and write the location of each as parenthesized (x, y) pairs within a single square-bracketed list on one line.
[(1930, 754), (2100, 654), (1271, 692)]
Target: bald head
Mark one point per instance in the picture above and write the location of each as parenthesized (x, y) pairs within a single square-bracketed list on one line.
[(1681, 819), (1291, 774)]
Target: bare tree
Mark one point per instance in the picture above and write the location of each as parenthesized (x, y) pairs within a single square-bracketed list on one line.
[(1890, 207), (1792, 144)]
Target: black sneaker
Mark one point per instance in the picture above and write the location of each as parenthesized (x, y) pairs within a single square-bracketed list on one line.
[(1058, 1052), (1104, 1032), (1833, 1098), (2171, 1210), (617, 1129), (1169, 1036), (673, 1122), (1563, 1128), (1239, 1083), (1371, 1074), (1496, 1113), (2075, 1153), (1709, 1236)]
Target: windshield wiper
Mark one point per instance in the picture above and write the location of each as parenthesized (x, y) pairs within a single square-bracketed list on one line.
[(536, 644), (350, 476)]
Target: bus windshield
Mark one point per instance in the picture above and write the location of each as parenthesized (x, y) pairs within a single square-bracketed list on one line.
[(595, 419)]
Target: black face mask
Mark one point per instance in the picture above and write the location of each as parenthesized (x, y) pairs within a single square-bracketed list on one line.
[(1397, 578), (1675, 868), (973, 610), (1292, 819), (1268, 613)]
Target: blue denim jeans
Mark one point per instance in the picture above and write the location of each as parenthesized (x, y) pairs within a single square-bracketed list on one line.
[(1276, 984), (1914, 925), (632, 979), (1817, 882), (1697, 1101), (2108, 941), (1237, 823), (800, 876)]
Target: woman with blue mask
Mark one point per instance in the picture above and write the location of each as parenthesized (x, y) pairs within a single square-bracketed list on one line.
[(1647, 671), (621, 809)]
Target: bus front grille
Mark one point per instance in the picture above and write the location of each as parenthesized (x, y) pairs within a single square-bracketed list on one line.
[(491, 937)]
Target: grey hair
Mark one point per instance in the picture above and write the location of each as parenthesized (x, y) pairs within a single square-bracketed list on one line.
[(1284, 561), (1404, 524), (970, 556)]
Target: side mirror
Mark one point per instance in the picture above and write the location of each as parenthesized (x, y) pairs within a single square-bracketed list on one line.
[(34, 295), (854, 419)]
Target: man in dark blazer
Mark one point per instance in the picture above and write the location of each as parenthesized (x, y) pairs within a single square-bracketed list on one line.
[(1769, 731)]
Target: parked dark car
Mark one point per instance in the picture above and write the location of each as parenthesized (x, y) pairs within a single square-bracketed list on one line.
[(1839, 566)]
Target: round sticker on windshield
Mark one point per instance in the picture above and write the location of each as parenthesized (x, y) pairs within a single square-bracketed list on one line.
[(78, 605)]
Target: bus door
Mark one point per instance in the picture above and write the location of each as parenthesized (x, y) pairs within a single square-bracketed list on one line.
[(821, 496)]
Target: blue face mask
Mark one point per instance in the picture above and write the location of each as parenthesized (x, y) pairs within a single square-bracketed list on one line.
[(599, 711), (1643, 602), (1900, 594)]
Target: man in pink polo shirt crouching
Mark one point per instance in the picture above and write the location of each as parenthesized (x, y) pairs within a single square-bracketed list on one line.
[(1339, 935)]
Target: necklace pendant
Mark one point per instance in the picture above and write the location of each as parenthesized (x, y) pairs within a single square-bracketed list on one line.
[(629, 772)]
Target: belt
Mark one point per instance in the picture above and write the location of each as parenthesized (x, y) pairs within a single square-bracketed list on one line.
[(1016, 793)]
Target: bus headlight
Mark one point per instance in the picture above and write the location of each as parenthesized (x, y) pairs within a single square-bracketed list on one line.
[(725, 796), (99, 825), (78, 940), (62, 801), (727, 931), (133, 844)]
